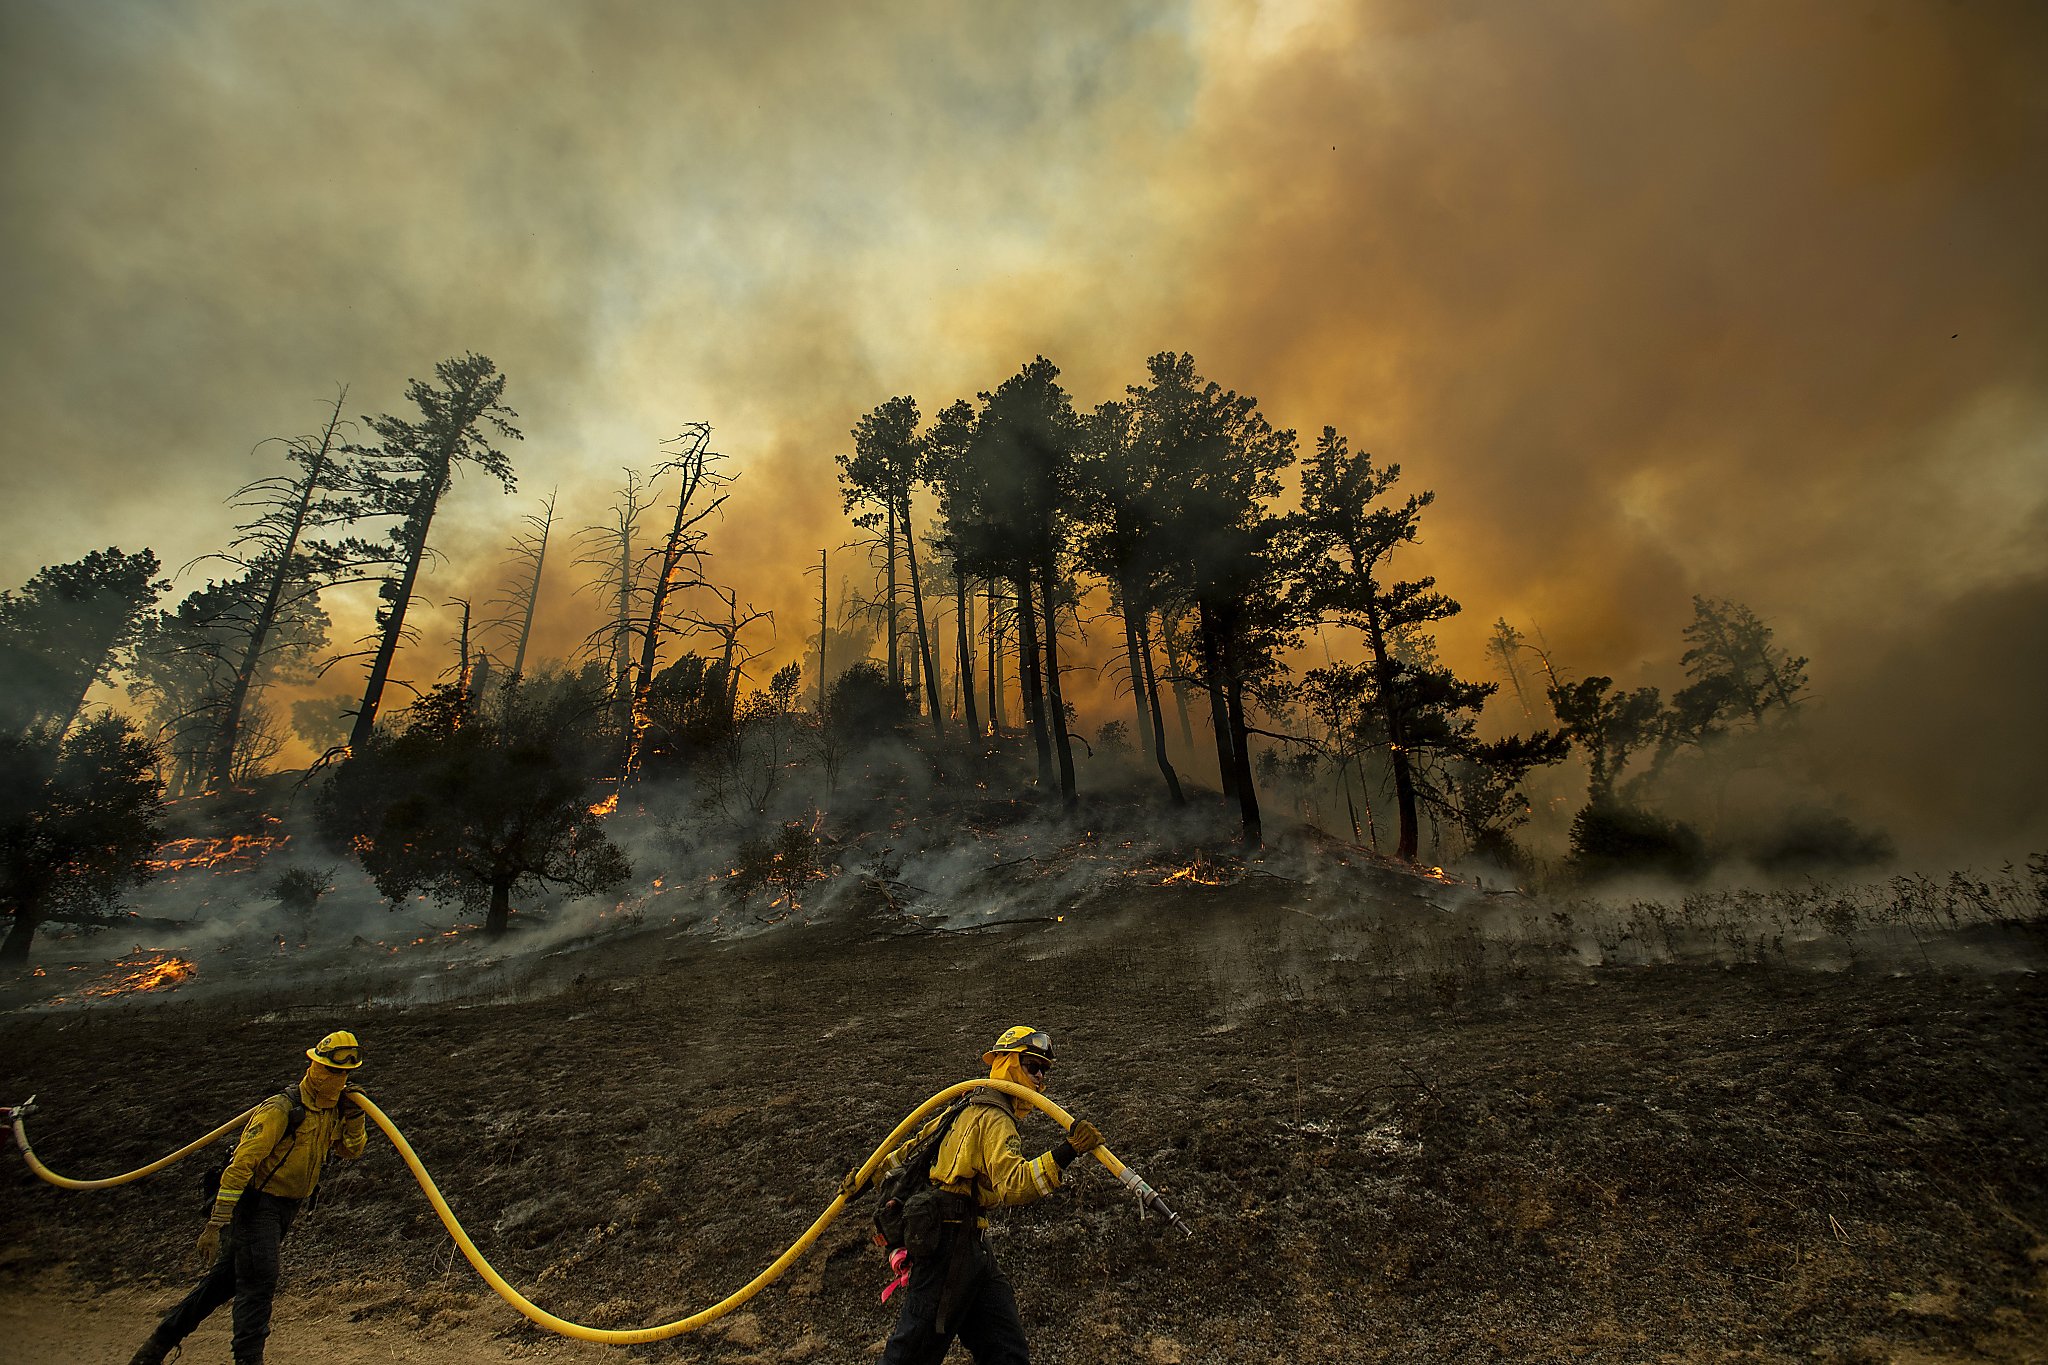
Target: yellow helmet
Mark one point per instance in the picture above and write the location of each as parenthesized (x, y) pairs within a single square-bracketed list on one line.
[(339, 1050), (1023, 1038)]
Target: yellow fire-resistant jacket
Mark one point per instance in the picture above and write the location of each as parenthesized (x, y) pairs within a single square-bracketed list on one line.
[(982, 1155), (340, 1131)]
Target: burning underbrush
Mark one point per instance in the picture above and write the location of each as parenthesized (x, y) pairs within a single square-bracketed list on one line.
[(257, 910)]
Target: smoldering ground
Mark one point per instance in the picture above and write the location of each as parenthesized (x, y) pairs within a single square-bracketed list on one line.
[(1390, 1148)]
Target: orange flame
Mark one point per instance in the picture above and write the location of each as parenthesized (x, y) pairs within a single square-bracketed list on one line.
[(235, 853), (1198, 873), (606, 806), (154, 972)]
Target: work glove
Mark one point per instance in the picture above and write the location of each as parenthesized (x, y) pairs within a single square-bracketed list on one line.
[(851, 1186), (352, 1089), (206, 1250), (1080, 1140)]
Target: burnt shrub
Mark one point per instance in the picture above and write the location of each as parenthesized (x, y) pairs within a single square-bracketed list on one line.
[(863, 705), (1612, 837), (1820, 841)]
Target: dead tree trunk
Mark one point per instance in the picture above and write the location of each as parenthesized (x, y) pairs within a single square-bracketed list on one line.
[(545, 523), (399, 596), (273, 600)]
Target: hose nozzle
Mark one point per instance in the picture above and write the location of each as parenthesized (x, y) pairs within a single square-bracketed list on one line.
[(1148, 1198)]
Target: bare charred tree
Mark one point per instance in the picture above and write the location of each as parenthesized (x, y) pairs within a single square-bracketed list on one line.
[(80, 815), (729, 628), (609, 550), (287, 566), (529, 557), (824, 622), (1505, 647), (69, 627), (677, 562), (406, 474)]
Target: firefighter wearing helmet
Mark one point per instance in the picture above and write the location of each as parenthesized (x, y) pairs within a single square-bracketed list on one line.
[(276, 1168), (959, 1291)]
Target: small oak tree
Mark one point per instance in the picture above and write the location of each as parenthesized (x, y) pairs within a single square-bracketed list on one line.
[(469, 803), (78, 821)]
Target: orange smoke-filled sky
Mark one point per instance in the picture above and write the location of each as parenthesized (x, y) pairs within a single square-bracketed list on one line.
[(1740, 299)]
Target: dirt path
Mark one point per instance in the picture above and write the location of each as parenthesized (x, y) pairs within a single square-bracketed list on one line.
[(56, 1321)]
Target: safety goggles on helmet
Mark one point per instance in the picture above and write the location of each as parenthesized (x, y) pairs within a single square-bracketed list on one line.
[(1029, 1041), (339, 1050)]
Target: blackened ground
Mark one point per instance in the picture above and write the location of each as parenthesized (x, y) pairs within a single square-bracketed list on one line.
[(1618, 1164)]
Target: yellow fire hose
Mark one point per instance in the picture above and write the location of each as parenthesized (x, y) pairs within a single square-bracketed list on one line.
[(858, 1181)]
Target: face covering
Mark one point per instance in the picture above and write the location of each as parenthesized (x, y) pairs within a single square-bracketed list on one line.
[(1009, 1066), (322, 1086)]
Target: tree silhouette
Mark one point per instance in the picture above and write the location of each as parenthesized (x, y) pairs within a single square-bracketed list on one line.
[(195, 672), (70, 626), (1609, 727), (1218, 462), (79, 818), (946, 444), (529, 555), (470, 804), (285, 568), (676, 563), (609, 549), (407, 473), (1123, 539), (1356, 533), (889, 460), (1737, 672)]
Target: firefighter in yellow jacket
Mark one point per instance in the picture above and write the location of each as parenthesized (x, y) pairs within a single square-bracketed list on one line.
[(276, 1166), (959, 1291)]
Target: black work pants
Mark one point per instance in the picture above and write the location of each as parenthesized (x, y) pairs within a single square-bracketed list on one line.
[(245, 1272), (984, 1316)]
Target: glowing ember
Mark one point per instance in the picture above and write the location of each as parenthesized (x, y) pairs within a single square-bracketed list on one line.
[(235, 853), (1196, 874), (151, 972), (606, 806)]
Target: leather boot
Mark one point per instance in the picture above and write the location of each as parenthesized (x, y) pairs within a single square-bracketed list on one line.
[(151, 1352)]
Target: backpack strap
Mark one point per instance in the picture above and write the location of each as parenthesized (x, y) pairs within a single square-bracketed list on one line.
[(295, 1115)]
